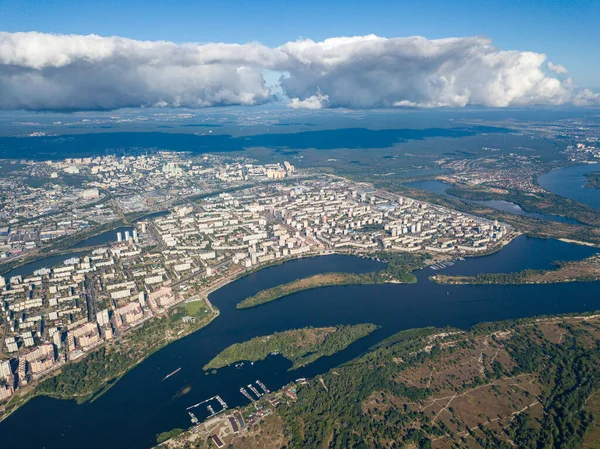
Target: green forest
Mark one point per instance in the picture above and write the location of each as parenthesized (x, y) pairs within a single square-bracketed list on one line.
[(568, 373)]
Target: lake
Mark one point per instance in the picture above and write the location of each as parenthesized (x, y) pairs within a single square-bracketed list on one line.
[(440, 188), (141, 405), (570, 182)]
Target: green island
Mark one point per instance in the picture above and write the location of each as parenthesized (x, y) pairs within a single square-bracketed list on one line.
[(585, 270), (593, 180), (529, 383), (300, 346), (398, 270)]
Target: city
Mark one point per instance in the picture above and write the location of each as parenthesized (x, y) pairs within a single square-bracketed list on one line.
[(57, 314)]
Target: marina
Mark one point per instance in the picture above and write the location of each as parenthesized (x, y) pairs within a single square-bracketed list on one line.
[(446, 263), (245, 393), (261, 385), (254, 390), (211, 410)]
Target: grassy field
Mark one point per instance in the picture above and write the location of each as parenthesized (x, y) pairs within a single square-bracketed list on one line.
[(301, 346), (196, 308)]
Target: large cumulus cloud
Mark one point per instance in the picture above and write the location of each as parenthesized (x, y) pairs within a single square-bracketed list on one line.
[(42, 71)]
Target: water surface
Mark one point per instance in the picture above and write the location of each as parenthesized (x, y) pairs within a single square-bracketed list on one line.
[(570, 183)]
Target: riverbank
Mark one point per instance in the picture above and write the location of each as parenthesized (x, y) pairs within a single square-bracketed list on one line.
[(61, 246), (300, 346), (587, 270)]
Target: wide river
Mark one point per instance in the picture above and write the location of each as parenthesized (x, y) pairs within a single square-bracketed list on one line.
[(141, 405)]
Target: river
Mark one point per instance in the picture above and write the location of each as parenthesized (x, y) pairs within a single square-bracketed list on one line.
[(570, 182), (95, 240), (104, 237), (141, 405)]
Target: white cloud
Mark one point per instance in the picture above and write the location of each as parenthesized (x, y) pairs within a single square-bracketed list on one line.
[(43, 71), (317, 101), (557, 68)]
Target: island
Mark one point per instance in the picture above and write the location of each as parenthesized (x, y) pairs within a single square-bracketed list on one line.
[(300, 346), (593, 180), (585, 270), (539, 201), (316, 281)]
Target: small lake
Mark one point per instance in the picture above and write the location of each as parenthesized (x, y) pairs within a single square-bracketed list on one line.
[(440, 188), (141, 405), (570, 183)]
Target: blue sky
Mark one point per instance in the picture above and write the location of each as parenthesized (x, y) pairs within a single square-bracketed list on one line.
[(566, 31)]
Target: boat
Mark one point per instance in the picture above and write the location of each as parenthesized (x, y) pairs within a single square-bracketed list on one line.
[(194, 419), (169, 375)]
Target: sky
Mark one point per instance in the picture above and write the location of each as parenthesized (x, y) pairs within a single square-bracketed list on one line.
[(565, 31)]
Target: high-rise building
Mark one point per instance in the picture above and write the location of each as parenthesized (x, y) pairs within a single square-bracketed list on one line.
[(126, 236), (5, 370), (119, 237)]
